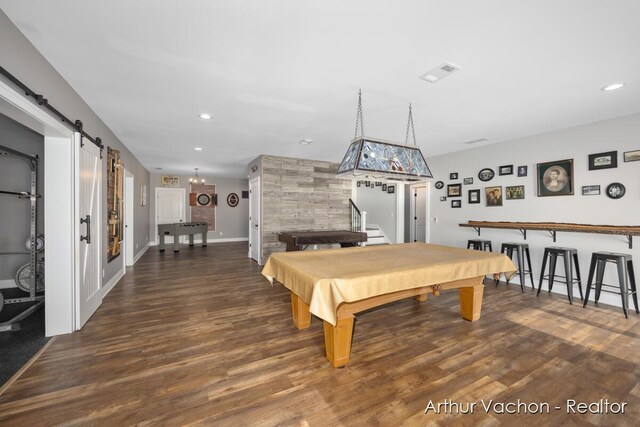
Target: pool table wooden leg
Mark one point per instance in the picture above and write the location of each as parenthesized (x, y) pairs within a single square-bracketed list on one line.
[(337, 341), (421, 297), (471, 302), (301, 313)]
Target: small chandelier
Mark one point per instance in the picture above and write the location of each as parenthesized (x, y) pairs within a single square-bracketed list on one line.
[(377, 158), (196, 179)]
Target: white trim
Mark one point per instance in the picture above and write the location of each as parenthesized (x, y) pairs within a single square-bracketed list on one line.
[(58, 207), (111, 283), (129, 218), (400, 188), (139, 254), (228, 239), (199, 241), (8, 284)]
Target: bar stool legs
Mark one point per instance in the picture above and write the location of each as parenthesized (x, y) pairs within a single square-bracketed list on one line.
[(522, 251), (626, 279), (569, 258)]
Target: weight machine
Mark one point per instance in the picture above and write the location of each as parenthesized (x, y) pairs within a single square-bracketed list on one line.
[(31, 274)]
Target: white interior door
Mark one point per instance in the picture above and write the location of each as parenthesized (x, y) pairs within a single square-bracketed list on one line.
[(419, 214), (170, 208), (129, 206), (89, 185), (254, 219)]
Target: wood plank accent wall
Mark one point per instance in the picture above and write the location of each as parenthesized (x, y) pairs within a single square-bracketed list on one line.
[(300, 195)]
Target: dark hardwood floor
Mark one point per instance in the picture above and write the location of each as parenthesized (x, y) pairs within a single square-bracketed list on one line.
[(201, 338)]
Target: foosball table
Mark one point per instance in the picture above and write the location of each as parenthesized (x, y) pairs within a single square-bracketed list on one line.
[(182, 229)]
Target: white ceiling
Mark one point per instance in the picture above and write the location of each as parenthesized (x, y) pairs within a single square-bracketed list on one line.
[(274, 72)]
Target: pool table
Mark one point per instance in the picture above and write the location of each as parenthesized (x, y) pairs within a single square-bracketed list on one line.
[(336, 284)]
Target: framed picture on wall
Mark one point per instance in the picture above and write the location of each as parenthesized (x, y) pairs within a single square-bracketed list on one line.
[(606, 160), (632, 156), (384, 187), (515, 192), (467, 181), (443, 198), (494, 196), (391, 189), (555, 178), (474, 196), (506, 170), (454, 190), (522, 170), (590, 190), (456, 203), (453, 175)]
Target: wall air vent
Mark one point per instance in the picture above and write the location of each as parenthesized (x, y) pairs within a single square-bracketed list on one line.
[(475, 141), (440, 72)]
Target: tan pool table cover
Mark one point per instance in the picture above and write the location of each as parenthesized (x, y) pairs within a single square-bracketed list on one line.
[(325, 279)]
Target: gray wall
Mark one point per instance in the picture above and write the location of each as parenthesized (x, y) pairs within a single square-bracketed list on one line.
[(380, 207), (24, 61), (576, 143), (231, 223), (15, 175), (299, 194)]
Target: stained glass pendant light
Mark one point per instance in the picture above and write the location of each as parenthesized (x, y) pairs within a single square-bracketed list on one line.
[(376, 158)]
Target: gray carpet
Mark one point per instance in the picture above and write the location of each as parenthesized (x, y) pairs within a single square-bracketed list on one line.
[(17, 347)]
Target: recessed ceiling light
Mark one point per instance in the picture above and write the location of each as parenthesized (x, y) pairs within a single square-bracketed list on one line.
[(612, 87), (205, 116), (198, 148), (307, 141)]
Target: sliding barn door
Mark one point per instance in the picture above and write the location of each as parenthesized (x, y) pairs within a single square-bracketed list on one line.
[(89, 197)]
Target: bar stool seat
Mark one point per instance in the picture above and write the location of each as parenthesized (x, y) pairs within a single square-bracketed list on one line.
[(570, 258), (479, 245), (626, 278), (521, 250)]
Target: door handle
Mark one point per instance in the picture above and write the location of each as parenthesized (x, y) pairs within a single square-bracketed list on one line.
[(86, 220)]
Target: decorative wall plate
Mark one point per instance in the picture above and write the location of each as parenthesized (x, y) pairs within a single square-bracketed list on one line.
[(232, 200), (439, 185), (615, 190), (486, 174)]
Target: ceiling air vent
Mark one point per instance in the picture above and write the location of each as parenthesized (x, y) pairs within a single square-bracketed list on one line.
[(440, 72)]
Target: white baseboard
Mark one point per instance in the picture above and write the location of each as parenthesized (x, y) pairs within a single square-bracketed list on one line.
[(199, 241), (139, 254), (7, 284), (111, 283), (231, 239)]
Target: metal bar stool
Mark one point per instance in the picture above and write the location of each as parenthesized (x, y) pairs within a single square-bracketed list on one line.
[(479, 245), (570, 258), (626, 278), (522, 250)]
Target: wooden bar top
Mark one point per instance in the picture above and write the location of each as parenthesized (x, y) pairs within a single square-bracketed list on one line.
[(627, 230)]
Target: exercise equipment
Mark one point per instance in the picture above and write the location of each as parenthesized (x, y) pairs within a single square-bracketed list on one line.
[(27, 278)]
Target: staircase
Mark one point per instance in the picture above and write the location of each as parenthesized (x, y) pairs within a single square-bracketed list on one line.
[(376, 235)]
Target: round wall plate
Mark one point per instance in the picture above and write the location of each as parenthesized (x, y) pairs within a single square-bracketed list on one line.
[(232, 200), (439, 185), (615, 190), (486, 174)]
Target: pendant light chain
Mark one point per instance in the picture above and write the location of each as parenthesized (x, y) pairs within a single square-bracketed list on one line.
[(413, 130), (359, 119)]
